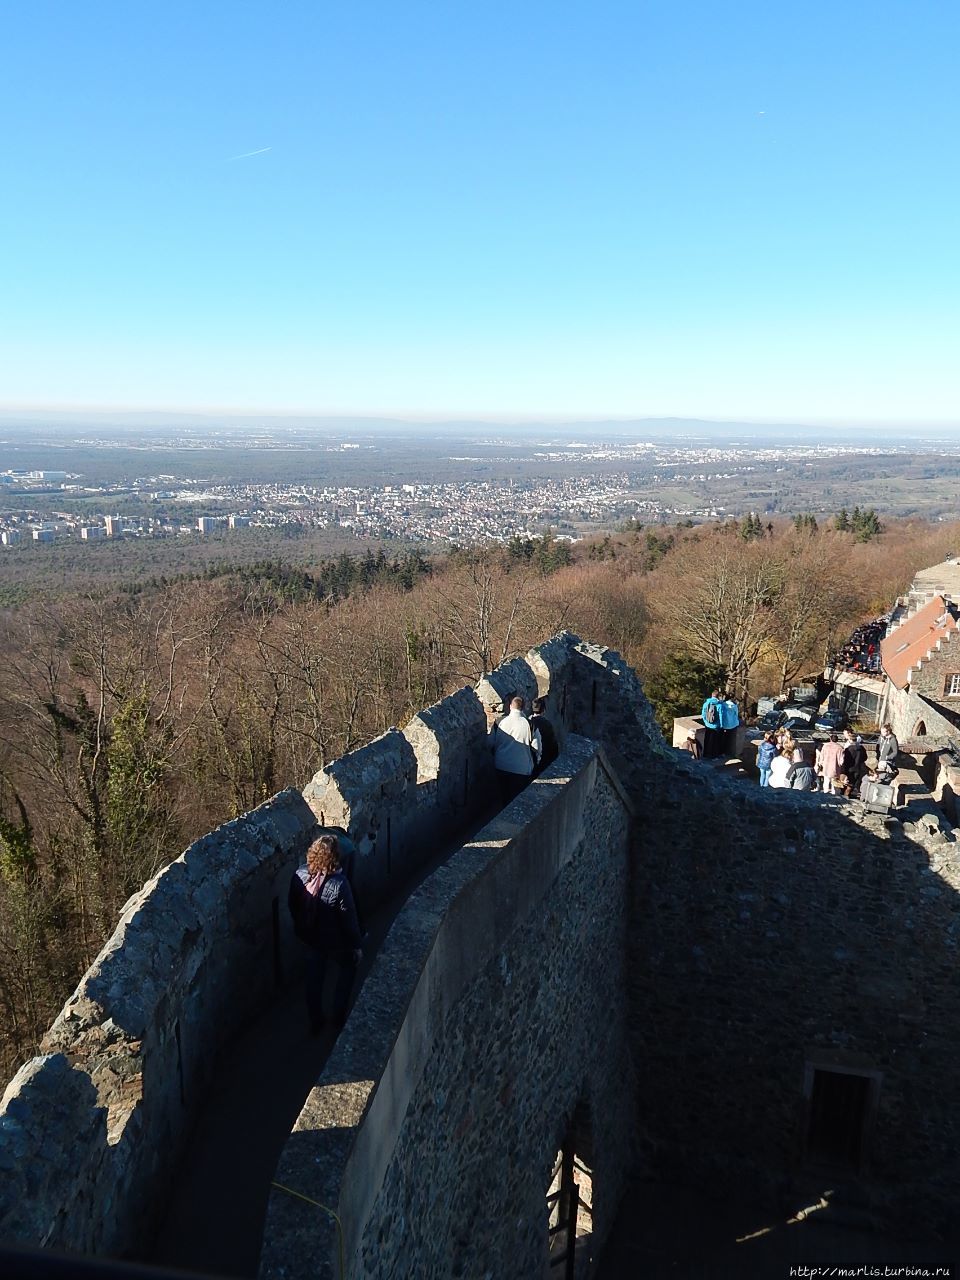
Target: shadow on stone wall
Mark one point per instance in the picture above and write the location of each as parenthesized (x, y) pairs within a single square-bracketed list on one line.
[(496, 1007), (782, 947), (199, 952)]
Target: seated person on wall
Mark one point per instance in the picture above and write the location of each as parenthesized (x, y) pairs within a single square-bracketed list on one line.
[(516, 750), (691, 744), (325, 918)]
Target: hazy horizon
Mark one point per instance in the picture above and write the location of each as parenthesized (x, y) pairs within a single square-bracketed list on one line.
[(630, 212)]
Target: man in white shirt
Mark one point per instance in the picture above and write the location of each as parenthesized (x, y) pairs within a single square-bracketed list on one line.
[(516, 750)]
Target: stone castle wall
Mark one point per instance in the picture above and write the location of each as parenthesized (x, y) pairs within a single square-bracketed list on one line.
[(90, 1133), (497, 1009), (774, 933), (202, 949), (679, 994)]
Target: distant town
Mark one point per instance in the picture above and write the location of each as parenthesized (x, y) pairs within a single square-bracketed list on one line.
[(572, 487)]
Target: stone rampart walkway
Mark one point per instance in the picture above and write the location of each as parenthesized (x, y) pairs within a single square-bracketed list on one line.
[(214, 1221)]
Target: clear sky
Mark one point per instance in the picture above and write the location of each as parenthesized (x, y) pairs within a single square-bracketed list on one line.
[(691, 208)]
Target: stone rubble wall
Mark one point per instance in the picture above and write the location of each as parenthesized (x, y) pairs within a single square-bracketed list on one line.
[(95, 1128), (748, 935), (496, 1006), (773, 932), (48, 1105)]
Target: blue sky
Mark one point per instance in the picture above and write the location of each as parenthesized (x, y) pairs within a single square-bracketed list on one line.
[(726, 210)]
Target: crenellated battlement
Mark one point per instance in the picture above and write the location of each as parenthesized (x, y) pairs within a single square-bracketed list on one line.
[(204, 946), (640, 960)]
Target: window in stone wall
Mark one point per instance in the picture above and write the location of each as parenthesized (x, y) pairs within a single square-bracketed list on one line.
[(570, 1203), (951, 686), (840, 1104)]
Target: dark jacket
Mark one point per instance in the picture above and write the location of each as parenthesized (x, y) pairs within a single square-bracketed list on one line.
[(328, 919), (854, 763), (888, 749), (548, 740)]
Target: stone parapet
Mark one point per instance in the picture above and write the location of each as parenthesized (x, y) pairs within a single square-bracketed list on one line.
[(494, 1008), (509, 679), (198, 952)]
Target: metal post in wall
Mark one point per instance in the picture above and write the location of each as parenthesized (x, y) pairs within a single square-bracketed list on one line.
[(573, 1204)]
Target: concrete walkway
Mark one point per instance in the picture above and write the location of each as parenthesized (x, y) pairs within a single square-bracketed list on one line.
[(214, 1220)]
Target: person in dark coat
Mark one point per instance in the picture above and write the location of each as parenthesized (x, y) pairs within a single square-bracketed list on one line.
[(549, 747), (854, 760), (325, 918)]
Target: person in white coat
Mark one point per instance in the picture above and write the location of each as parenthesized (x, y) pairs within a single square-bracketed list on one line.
[(779, 767), (516, 750)]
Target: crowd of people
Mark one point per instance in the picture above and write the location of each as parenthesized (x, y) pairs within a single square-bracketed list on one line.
[(862, 651), (837, 767), (321, 898)]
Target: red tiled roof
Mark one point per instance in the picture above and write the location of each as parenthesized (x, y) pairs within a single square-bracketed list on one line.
[(903, 648)]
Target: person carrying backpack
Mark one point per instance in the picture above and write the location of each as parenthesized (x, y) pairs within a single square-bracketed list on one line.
[(715, 735)]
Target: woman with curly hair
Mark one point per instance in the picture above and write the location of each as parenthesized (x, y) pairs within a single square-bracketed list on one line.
[(325, 918)]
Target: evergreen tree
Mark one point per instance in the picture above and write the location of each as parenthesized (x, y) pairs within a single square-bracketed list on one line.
[(679, 686)]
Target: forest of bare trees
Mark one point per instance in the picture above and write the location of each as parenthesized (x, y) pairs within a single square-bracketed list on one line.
[(131, 723)]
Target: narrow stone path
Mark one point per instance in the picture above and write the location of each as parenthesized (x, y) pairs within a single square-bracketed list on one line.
[(214, 1219)]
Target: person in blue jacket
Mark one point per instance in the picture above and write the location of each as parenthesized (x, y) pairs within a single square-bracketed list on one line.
[(714, 736), (729, 723), (765, 753)]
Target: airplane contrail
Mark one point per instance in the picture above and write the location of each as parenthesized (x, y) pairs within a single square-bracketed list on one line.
[(245, 154)]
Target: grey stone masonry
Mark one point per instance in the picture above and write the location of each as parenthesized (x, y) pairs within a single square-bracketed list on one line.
[(775, 934), (197, 953), (496, 1007), (47, 1103), (668, 955)]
